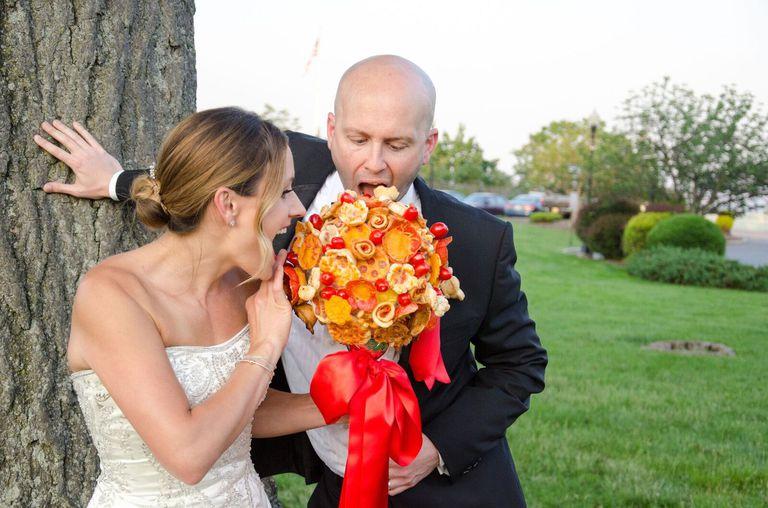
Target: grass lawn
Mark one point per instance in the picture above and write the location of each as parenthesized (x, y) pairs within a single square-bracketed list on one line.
[(619, 425)]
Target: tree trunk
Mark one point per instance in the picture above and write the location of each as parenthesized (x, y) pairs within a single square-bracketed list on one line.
[(127, 71)]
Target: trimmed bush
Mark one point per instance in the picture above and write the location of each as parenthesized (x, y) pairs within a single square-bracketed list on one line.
[(725, 222), (545, 217), (696, 267), (589, 214), (688, 231), (604, 235), (637, 230)]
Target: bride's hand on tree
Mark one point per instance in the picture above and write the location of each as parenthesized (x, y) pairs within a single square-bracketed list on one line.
[(92, 165), (269, 312)]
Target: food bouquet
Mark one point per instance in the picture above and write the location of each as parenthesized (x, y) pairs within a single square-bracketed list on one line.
[(371, 270)]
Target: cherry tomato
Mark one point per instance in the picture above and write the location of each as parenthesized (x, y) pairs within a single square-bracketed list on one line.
[(377, 236), (421, 269), (343, 293), (411, 213), (316, 221), (292, 258), (347, 198), (327, 278), (445, 273), (337, 242), (404, 299), (417, 259), (327, 292), (439, 229), (382, 285)]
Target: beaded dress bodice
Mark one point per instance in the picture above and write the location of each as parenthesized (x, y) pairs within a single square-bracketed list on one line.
[(131, 475)]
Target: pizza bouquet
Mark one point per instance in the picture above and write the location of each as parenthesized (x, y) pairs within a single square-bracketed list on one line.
[(371, 270)]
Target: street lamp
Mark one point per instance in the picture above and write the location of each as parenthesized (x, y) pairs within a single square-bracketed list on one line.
[(594, 123)]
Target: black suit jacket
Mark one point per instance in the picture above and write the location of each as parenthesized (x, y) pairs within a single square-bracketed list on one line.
[(468, 418)]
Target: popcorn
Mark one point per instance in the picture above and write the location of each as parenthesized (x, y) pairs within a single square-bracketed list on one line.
[(401, 278), (306, 293), (397, 208), (386, 193), (452, 289), (441, 306), (353, 213)]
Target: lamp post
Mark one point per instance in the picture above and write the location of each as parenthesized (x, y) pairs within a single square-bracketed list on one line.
[(594, 123)]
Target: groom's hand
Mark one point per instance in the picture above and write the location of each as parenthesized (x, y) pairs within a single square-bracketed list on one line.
[(403, 478), (92, 165)]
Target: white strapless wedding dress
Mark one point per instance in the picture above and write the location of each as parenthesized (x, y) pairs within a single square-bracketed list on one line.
[(130, 474)]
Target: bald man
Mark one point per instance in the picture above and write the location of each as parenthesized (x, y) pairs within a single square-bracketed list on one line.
[(381, 133)]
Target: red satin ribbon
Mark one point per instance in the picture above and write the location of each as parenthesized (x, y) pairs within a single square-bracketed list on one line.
[(384, 420), (425, 358)]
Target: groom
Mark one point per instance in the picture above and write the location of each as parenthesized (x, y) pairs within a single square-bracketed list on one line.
[(380, 134)]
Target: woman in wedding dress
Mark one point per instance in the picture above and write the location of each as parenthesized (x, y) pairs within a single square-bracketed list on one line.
[(173, 344)]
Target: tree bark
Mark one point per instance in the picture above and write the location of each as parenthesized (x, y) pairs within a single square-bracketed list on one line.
[(127, 71)]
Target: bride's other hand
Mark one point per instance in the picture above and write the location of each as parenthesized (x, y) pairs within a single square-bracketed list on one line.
[(269, 311), (93, 166)]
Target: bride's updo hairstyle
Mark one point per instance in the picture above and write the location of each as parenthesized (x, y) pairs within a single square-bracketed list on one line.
[(223, 147)]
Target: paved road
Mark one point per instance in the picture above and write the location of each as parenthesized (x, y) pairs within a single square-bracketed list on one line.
[(752, 250)]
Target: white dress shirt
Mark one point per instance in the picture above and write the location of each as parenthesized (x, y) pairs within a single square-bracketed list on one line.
[(304, 351)]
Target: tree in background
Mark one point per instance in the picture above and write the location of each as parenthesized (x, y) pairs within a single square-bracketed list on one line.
[(557, 158), (282, 118), (459, 160), (712, 151)]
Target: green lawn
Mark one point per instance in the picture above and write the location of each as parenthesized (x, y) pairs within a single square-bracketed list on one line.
[(619, 425)]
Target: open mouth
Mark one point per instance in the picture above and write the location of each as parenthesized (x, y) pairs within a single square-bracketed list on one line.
[(367, 187)]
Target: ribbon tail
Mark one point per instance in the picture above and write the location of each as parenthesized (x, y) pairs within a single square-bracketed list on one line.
[(367, 469), (426, 358)]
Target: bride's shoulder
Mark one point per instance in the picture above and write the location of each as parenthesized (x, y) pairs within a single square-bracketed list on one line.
[(111, 281)]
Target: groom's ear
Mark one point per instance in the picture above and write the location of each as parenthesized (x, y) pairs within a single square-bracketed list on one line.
[(431, 143), (330, 128)]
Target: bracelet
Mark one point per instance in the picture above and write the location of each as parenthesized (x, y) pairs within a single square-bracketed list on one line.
[(261, 361)]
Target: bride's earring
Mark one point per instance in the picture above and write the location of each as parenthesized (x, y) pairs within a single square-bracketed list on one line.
[(232, 222)]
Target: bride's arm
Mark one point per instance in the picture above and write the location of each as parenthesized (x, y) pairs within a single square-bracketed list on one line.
[(284, 413), (126, 351)]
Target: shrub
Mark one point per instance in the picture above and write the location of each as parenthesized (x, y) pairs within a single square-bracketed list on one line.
[(589, 214), (725, 222), (696, 267), (604, 235), (688, 231), (637, 230), (545, 217)]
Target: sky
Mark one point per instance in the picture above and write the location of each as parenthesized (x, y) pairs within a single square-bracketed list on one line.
[(504, 69)]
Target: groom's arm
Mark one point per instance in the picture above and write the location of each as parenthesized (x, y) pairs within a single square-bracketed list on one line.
[(514, 362)]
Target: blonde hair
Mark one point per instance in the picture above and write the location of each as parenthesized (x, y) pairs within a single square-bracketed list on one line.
[(223, 147)]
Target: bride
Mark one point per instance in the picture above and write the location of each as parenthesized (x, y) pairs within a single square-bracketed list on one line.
[(173, 344)]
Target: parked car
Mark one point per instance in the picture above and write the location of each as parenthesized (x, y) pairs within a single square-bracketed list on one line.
[(559, 203), (524, 205), (488, 201), (456, 194)]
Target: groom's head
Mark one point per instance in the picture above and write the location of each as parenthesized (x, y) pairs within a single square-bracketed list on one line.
[(381, 129)]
